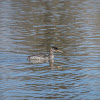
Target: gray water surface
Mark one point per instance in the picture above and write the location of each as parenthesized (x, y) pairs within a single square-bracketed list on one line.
[(31, 26)]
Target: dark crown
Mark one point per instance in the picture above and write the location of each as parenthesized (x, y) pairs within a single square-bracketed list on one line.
[(54, 48)]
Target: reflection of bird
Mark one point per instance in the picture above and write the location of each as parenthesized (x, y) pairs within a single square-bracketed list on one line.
[(42, 56)]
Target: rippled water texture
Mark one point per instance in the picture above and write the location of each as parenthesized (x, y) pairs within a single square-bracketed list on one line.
[(28, 26)]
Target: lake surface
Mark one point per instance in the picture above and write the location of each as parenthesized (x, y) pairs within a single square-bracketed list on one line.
[(31, 26)]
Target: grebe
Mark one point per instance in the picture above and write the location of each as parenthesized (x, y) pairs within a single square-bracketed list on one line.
[(42, 56)]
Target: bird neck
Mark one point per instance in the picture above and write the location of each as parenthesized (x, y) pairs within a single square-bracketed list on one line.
[(51, 54)]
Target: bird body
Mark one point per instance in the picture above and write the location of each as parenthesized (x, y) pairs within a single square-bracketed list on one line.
[(38, 56), (42, 56)]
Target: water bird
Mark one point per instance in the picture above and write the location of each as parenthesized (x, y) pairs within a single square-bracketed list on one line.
[(43, 56)]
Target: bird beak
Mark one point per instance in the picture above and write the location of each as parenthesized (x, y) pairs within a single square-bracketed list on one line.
[(60, 51)]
